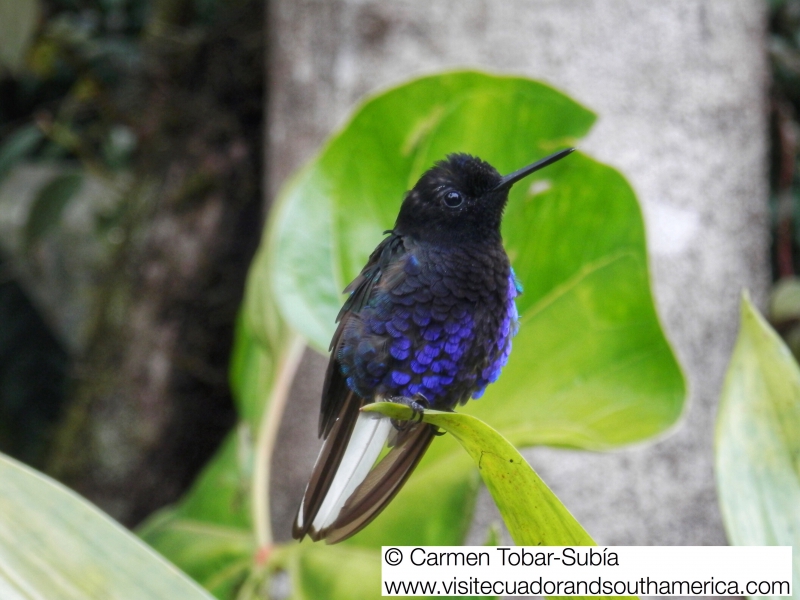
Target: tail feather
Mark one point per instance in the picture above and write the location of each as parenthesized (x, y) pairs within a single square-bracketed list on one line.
[(381, 484), (327, 465), (366, 442), (347, 490)]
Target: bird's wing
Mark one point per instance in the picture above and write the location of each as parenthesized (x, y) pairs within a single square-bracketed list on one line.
[(335, 389), (353, 440)]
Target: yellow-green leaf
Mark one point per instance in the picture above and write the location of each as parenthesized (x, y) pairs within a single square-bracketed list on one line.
[(758, 440), (532, 513)]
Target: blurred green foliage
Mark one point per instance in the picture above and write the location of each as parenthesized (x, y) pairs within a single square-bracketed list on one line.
[(124, 111), (79, 66), (758, 440), (54, 544), (82, 90)]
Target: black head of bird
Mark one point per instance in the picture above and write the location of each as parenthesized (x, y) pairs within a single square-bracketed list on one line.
[(461, 198)]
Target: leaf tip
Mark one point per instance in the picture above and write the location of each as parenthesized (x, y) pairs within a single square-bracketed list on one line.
[(389, 409), (752, 321)]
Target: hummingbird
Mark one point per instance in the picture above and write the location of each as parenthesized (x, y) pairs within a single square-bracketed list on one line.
[(428, 323)]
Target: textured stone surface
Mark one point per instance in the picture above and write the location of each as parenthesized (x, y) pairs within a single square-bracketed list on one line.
[(680, 90)]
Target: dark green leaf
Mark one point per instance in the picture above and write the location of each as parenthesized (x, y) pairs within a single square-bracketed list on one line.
[(17, 146), (49, 204)]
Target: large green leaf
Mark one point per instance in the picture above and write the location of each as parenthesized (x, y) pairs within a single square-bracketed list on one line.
[(331, 215), (54, 544), (758, 440), (590, 367)]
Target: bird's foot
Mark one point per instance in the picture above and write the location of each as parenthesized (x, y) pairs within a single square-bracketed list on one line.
[(441, 432), (417, 404)]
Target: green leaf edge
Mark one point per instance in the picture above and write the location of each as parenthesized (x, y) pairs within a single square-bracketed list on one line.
[(86, 510)]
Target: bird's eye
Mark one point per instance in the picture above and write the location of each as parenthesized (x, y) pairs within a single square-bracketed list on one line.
[(453, 199)]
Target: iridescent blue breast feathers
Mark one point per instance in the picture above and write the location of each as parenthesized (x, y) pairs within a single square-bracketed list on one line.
[(415, 333)]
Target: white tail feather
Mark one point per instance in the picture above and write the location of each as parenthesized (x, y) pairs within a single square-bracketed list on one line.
[(299, 519), (366, 442)]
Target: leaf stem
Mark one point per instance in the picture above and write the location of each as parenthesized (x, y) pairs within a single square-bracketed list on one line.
[(268, 433)]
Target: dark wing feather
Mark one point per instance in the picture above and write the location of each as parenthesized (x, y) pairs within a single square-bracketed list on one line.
[(381, 485), (334, 391), (335, 387), (340, 405), (360, 289)]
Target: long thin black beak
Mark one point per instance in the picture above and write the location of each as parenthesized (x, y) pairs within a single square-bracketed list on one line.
[(509, 180)]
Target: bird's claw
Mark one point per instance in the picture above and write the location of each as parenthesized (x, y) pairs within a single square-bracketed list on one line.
[(417, 404)]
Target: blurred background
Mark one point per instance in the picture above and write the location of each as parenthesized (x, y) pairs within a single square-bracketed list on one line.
[(131, 204), (142, 142)]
